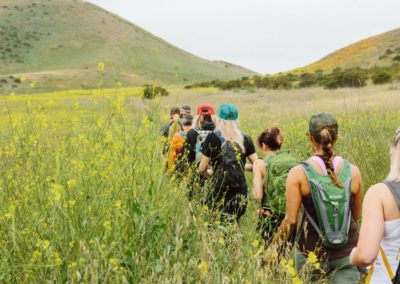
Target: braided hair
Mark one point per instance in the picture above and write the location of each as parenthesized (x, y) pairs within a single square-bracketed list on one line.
[(326, 138)]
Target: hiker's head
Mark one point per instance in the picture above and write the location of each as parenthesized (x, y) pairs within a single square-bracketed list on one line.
[(394, 173), (205, 113), (187, 120), (270, 139), (186, 110), (227, 123), (323, 129), (175, 111)]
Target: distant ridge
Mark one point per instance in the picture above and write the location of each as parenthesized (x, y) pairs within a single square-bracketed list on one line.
[(60, 42), (377, 50)]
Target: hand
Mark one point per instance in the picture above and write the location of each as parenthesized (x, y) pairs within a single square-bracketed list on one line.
[(249, 167)]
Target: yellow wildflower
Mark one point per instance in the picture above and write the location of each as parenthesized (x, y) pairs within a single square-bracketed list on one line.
[(113, 261), (107, 226), (45, 244), (101, 67), (312, 258), (72, 183), (203, 267)]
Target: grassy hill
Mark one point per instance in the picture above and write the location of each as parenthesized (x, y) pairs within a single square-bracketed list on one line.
[(379, 50), (59, 43)]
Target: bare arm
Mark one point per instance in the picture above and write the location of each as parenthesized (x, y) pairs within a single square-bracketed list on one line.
[(204, 164), (372, 228), (258, 177), (252, 158)]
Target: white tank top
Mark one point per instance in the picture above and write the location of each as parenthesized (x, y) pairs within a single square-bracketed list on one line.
[(391, 246)]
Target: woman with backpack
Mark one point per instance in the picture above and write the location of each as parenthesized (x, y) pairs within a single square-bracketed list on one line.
[(226, 150), (269, 181), (330, 191), (379, 241)]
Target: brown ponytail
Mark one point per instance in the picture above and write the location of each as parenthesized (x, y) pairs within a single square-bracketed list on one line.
[(326, 138), (272, 138)]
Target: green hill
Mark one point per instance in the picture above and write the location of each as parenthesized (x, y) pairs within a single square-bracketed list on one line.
[(60, 42), (379, 50)]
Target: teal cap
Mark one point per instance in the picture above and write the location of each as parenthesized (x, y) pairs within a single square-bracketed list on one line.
[(228, 112)]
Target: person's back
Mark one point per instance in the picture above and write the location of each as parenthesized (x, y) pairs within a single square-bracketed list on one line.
[(269, 181), (331, 194), (178, 141), (226, 150), (379, 242)]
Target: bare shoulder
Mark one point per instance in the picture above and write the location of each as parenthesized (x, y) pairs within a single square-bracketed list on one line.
[(259, 163), (356, 173), (297, 172), (375, 194)]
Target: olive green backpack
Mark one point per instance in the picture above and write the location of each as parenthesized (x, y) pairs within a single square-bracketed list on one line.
[(278, 167)]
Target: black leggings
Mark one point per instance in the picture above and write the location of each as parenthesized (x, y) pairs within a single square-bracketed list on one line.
[(268, 224)]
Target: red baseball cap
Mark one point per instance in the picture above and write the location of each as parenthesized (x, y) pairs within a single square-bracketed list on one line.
[(205, 109)]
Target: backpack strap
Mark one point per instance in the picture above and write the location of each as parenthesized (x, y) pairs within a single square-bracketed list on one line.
[(305, 165), (220, 136), (395, 189)]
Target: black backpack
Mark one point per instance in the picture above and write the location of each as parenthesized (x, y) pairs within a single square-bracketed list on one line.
[(231, 163)]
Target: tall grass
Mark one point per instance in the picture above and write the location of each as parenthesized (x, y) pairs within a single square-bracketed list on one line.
[(84, 196)]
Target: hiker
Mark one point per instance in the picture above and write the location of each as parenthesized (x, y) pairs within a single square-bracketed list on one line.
[(171, 128), (178, 140), (269, 181), (202, 126), (379, 241), (330, 190), (174, 117), (225, 150)]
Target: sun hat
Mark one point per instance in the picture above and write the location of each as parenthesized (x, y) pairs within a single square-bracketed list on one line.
[(205, 109), (322, 120), (228, 112)]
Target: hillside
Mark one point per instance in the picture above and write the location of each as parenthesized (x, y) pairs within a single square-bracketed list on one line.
[(60, 42), (379, 50)]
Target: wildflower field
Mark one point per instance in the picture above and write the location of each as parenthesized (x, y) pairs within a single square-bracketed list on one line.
[(84, 196)]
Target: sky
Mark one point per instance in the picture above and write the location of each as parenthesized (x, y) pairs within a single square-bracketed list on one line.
[(267, 36)]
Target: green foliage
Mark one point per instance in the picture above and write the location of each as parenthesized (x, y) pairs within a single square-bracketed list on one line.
[(381, 77), (349, 78), (151, 92)]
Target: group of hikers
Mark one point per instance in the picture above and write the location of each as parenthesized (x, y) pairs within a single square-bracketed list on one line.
[(315, 204)]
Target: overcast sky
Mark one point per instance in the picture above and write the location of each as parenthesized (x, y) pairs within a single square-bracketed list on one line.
[(266, 36)]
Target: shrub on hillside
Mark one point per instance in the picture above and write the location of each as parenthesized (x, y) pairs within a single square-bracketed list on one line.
[(348, 78), (396, 58), (151, 91), (381, 77)]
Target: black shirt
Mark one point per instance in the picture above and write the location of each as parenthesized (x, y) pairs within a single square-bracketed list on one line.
[(212, 149), (189, 148)]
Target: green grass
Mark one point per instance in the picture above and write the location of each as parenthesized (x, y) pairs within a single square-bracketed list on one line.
[(59, 43), (84, 196)]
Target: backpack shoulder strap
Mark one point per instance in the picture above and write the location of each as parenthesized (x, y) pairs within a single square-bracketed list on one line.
[(220, 136), (305, 166), (395, 189)]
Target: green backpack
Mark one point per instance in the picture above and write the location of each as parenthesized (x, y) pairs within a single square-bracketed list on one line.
[(278, 167), (332, 205)]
